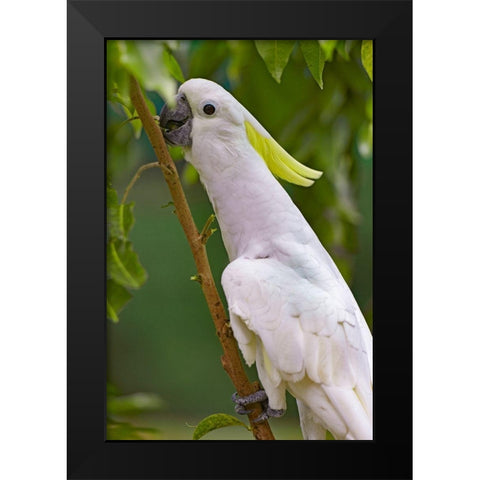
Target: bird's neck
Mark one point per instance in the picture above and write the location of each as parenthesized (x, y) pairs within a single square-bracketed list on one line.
[(250, 205)]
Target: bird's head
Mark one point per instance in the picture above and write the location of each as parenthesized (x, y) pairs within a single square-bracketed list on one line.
[(205, 108), (203, 103)]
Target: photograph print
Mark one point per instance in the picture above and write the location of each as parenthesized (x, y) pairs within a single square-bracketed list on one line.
[(239, 239)]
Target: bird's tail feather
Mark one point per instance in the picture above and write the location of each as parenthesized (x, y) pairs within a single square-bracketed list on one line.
[(331, 408), (311, 429), (351, 409)]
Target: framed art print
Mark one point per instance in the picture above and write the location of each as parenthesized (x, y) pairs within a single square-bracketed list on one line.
[(239, 237)]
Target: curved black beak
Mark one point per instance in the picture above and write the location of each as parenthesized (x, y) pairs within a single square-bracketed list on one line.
[(176, 124)]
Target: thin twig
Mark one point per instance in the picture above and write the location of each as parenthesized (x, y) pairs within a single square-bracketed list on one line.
[(207, 232), (147, 166), (128, 120), (231, 359)]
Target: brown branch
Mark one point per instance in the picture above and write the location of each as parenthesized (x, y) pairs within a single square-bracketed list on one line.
[(231, 359)]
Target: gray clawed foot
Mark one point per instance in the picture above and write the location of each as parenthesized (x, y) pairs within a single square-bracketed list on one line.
[(241, 410), (259, 396), (269, 413)]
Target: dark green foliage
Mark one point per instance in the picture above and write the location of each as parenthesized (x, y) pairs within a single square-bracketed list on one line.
[(119, 217), (124, 270), (123, 411), (117, 298)]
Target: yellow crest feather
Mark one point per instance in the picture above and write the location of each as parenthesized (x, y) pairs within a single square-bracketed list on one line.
[(280, 163)]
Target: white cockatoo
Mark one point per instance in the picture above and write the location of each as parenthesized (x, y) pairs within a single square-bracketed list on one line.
[(291, 311)]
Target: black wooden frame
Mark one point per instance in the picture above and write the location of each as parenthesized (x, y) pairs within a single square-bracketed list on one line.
[(389, 23)]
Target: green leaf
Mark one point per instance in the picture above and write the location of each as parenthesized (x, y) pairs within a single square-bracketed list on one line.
[(136, 125), (117, 298), (315, 58), (215, 421), (190, 175), (367, 57), (113, 220), (144, 59), (117, 78), (328, 46), (275, 54), (123, 264), (111, 314), (134, 403), (112, 198), (119, 216), (126, 217), (173, 67), (119, 95), (125, 108), (176, 152)]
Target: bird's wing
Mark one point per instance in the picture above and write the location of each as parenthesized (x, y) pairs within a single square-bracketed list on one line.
[(302, 337)]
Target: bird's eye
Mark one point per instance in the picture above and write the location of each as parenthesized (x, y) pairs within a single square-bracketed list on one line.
[(209, 109)]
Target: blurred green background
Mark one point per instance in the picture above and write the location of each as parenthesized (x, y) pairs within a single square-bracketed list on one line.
[(164, 369)]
